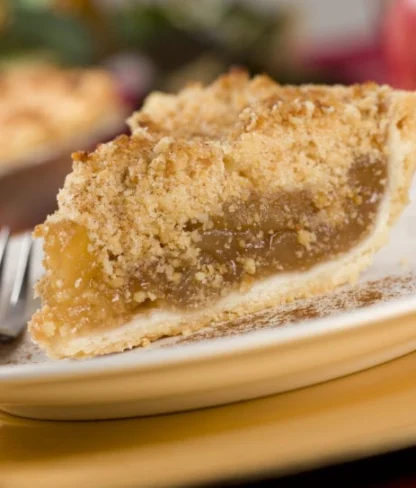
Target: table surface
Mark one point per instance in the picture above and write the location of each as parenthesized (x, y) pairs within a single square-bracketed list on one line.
[(353, 417)]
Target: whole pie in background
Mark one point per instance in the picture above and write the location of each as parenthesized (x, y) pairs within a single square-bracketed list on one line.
[(223, 201), (47, 112)]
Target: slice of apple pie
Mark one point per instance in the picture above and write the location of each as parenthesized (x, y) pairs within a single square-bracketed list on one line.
[(224, 200)]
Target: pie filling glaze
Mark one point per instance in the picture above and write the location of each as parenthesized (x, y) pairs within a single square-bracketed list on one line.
[(216, 189)]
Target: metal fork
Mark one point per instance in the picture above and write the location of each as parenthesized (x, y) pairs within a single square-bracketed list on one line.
[(16, 295)]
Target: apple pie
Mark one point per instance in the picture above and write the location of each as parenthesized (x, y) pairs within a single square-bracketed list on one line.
[(46, 113), (223, 200), (44, 110)]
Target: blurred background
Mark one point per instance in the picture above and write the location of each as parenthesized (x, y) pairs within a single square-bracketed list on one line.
[(72, 70)]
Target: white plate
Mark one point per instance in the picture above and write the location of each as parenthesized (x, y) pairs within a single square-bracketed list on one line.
[(286, 348)]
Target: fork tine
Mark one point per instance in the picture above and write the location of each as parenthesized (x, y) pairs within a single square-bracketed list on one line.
[(22, 271), (13, 321), (4, 239)]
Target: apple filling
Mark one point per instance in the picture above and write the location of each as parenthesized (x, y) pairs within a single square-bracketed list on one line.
[(248, 241)]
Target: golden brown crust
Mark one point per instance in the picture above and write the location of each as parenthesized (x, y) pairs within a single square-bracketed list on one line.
[(43, 107)]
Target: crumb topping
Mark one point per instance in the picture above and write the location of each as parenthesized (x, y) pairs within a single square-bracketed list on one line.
[(44, 106), (148, 197)]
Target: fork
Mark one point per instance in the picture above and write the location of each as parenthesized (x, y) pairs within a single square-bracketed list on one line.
[(16, 296)]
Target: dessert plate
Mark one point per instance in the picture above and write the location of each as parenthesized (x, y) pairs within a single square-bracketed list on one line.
[(285, 348)]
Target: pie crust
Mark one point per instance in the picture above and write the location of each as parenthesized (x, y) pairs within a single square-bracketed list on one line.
[(223, 201)]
